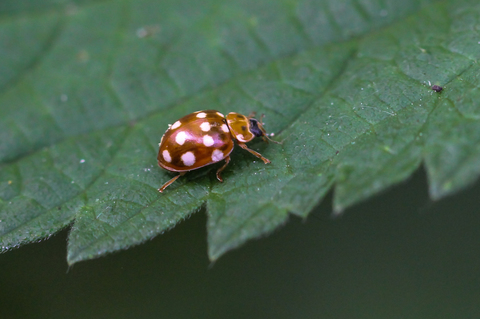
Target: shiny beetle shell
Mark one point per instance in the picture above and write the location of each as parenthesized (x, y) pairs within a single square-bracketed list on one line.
[(194, 141), (206, 137)]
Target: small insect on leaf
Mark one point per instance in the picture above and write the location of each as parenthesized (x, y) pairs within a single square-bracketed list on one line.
[(206, 137), (437, 88)]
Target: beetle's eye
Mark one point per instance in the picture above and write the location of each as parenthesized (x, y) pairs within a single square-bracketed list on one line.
[(254, 128)]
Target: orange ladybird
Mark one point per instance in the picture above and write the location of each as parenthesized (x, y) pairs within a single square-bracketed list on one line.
[(206, 137)]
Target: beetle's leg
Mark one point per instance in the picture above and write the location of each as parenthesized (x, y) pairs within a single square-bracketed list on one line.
[(161, 189), (244, 146), (252, 115), (227, 160)]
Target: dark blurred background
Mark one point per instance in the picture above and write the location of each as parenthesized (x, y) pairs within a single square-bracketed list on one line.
[(398, 255)]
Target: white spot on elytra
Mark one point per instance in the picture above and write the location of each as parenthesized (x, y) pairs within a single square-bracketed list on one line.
[(225, 128), (180, 138), (241, 138), (217, 155), (205, 126), (166, 156), (201, 115), (220, 114), (208, 140), (175, 125), (188, 159)]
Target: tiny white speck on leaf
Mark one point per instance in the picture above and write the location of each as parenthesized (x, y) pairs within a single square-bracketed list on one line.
[(82, 161), (64, 98), (142, 32), (147, 31)]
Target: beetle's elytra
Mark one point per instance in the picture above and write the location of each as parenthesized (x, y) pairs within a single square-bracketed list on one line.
[(206, 137)]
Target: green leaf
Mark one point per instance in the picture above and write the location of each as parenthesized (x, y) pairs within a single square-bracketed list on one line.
[(87, 89)]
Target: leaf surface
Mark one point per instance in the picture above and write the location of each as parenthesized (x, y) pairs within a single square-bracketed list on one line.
[(87, 89)]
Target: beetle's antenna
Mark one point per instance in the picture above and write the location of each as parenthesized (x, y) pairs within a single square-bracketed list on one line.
[(269, 139), (266, 136), (261, 118)]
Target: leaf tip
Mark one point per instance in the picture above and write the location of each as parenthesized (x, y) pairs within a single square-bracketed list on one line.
[(72, 260), (214, 254), (338, 210)]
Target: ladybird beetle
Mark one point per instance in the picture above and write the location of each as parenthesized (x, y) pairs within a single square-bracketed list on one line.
[(206, 137)]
